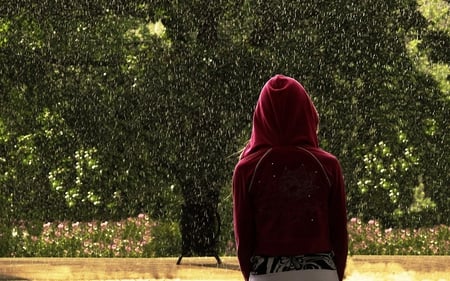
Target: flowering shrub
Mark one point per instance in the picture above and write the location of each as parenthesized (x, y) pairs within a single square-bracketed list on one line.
[(141, 237), (370, 239), (126, 238)]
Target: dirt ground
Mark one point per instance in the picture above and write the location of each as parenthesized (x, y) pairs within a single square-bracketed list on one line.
[(359, 268)]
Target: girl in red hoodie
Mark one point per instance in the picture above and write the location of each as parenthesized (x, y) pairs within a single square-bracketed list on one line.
[(289, 204)]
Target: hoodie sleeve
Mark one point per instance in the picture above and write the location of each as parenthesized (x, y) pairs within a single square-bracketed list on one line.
[(338, 221), (243, 222)]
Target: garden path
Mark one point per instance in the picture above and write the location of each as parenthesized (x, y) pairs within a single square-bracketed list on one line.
[(361, 268)]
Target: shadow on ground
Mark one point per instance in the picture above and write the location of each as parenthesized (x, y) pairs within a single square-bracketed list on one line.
[(4, 277), (227, 266)]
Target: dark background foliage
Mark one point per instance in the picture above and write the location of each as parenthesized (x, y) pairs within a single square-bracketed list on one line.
[(112, 108)]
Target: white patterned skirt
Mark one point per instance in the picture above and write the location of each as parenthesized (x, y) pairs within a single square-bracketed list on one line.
[(298, 275), (313, 267)]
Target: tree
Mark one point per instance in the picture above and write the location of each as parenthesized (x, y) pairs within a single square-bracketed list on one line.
[(66, 79), (430, 56), (377, 108), (113, 108)]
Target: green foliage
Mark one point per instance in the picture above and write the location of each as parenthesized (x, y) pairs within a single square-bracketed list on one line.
[(111, 109), (5, 227), (125, 238), (225, 209), (141, 237), (166, 240), (372, 239)]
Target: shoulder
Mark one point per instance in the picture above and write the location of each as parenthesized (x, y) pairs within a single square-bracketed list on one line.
[(323, 155), (329, 161), (248, 163)]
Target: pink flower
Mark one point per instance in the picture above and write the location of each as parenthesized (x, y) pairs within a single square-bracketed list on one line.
[(353, 220), (75, 224), (371, 222), (47, 225), (60, 226), (389, 230), (141, 216)]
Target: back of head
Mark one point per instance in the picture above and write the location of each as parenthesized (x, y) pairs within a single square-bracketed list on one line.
[(284, 116)]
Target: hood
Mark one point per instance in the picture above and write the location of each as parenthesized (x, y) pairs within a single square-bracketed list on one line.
[(284, 116)]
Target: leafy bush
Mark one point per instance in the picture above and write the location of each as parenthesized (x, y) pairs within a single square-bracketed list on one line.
[(125, 238), (5, 238), (165, 242), (371, 239), (141, 237), (225, 209)]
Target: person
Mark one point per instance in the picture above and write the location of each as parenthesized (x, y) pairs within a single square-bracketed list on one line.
[(289, 202)]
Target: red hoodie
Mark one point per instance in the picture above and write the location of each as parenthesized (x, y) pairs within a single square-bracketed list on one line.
[(288, 194)]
